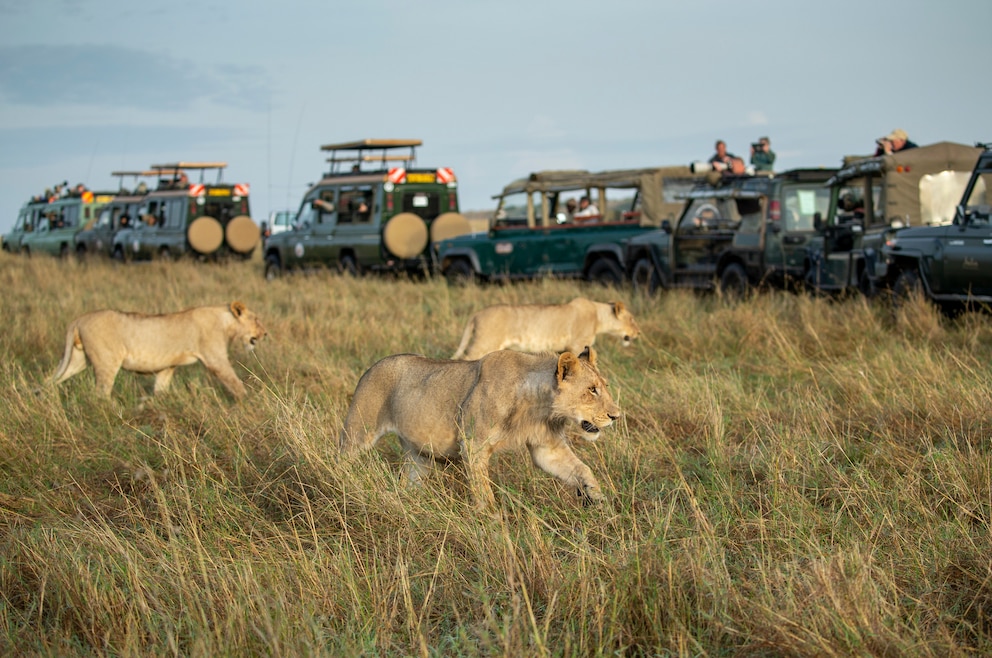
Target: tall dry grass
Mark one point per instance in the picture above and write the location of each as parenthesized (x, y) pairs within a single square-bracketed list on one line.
[(791, 477)]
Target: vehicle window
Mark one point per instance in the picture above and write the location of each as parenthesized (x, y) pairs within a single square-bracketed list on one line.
[(174, 213), (750, 216), (940, 195), (512, 210), (427, 205), (801, 203), (979, 202), (106, 217), (222, 211), (355, 205), (70, 216), (708, 214), (19, 224)]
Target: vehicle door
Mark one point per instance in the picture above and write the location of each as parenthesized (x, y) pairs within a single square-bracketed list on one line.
[(357, 230), (516, 248), (791, 225), (319, 217), (702, 235), (968, 242)]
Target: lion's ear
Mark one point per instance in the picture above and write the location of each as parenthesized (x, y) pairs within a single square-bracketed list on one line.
[(568, 363), (589, 354), (618, 308), (237, 308)]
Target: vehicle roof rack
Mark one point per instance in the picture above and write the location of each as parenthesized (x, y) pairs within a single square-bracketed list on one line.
[(361, 155), (175, 169)]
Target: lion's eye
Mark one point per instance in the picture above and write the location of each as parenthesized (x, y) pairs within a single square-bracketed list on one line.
[(594, 390)]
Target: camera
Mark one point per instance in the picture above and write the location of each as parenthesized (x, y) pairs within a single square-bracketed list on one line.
[(757, 146)]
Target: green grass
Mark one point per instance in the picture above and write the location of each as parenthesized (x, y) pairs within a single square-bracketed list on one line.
[(791, 477)]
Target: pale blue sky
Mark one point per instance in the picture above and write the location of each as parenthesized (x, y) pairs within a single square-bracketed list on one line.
[(494, 89)]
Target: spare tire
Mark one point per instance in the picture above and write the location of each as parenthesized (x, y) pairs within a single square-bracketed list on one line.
[(242, 234), (205, 235), (449, 225), (405, 235)]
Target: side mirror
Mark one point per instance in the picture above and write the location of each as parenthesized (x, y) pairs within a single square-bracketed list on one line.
[(960, 215), (817, 220)]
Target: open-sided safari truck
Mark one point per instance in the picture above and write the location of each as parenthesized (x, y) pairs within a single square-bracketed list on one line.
[(373, 210), (870, 198), (198, 218), (531, 233)]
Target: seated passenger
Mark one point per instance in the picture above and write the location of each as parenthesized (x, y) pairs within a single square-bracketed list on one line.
[(587, 212)]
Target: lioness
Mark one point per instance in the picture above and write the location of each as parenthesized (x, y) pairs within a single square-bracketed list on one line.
[(471, 409), (157, 344), (545, 327)]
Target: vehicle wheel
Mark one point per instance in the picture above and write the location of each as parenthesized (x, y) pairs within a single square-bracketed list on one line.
[(733, 282), (645, 277), (348, 265), (607, 272), (459, 272), (64, 252), (119, 255), (164, 254), (908, 286), (273, 270)]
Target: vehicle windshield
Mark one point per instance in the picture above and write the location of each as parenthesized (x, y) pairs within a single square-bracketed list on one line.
[(800, 203), (711, 213), (512, 210)]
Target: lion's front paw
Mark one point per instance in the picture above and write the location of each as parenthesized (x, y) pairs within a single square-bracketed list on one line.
[(591, 495)]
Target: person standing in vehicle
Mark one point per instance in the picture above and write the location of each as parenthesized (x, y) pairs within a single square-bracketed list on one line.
[(895, 141), (724, 161), (762, 155)]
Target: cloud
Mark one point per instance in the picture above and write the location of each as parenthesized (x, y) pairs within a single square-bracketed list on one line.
[(45, 76), (756, 118)]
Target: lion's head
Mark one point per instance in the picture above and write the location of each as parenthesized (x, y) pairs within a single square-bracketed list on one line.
[(583, 395), (622, 324), (248, 329)]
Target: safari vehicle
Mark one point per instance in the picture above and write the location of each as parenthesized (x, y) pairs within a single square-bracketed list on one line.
[(61, 220), (871, 198), (97, 237), (373, 210), (735, 232), (530, 233), (179, 217), (950, 264), (27, 219)]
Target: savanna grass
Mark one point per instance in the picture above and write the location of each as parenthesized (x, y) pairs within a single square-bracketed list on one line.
[(791, 477)]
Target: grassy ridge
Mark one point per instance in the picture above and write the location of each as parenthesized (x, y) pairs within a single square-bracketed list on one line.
[(791, 477)]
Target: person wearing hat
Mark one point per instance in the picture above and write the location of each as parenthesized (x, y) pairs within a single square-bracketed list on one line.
[(895, 141)]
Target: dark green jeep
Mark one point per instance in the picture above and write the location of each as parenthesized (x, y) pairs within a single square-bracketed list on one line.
[(534, 230), (735, 232), (374, 210), (180, 217), (871, 198), (950, 264)]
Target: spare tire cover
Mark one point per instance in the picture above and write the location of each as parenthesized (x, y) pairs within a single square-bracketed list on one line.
[(405, 235), (205, 235), (449, 225), (242, 234)]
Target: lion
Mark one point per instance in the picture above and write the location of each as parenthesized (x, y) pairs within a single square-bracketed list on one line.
[(157, 344), (545, 327), (468, 410)]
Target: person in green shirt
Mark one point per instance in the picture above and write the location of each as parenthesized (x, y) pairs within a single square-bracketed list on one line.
[(762, 155)]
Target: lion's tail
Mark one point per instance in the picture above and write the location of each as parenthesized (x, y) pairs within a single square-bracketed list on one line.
[(466, 338), (73, 359)]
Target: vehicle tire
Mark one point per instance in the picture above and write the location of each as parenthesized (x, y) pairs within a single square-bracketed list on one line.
[(65, 253), (164, 254), (734, 282), (459, 272), (645, 277), (273, 269), (348, 265), (606, 271), (117, 255), (907, 287)]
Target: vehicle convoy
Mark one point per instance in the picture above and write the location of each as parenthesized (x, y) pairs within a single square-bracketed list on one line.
[(97, 237), (532, 233), (871, 198), (374, 210), (62, 218), (28, 218), (179, 217), (735, 232), (950, 264)]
